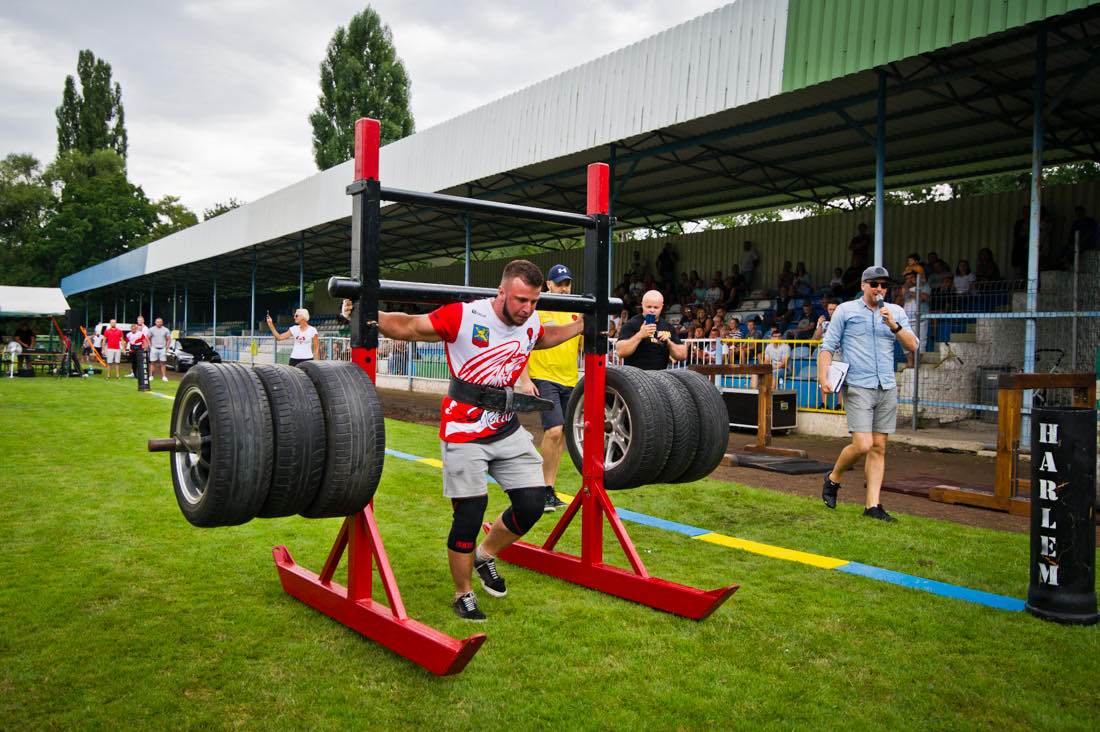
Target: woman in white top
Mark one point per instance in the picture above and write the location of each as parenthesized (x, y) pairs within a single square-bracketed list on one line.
[(304, 335)]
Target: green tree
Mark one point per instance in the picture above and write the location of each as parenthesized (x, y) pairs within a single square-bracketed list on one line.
[(97, 215), (172, 216), (219, 208), (25, 200), (92, 118), (361, 76)]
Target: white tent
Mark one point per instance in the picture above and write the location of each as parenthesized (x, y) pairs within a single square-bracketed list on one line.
[(31, 301)]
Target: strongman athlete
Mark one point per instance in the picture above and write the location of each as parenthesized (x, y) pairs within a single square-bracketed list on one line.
[(488, 343)]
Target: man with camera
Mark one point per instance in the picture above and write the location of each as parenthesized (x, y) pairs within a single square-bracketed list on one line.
[(648, 341)]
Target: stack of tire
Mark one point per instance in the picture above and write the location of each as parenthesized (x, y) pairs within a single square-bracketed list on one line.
[(271, 441), (659, 427)]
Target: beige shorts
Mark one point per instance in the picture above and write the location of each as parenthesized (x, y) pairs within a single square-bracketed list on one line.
[(112, 355)]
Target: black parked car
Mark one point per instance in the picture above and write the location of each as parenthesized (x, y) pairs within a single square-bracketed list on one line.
[(186, 352)]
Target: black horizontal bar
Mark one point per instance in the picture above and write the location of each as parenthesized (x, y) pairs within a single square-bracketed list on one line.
[(459, 203), (436, 294)]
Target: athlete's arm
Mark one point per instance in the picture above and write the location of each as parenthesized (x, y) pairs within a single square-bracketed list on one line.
[(406, 327)]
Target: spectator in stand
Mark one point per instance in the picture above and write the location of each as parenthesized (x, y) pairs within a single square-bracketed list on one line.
[(783, 312), (699, 350), (112, 354), (786, 277), (823, 321), (748, 262), (860, 246), (836, 284), (733, 297), (850, 280), (637, 288), (637, 266), (699, 293), (913, 265), (964, 279), (909, 299), (1021, 233), (714, 293), (778, 354), (986, 271), (752, 333), (738, 280), (941, 285), (804, 329), (803, 285), (930, 262), (666, 263), (612, 330)]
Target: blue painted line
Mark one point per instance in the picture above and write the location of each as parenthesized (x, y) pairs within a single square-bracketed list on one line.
[(402, 455), (641, 518), (943, 589), (936, 588)]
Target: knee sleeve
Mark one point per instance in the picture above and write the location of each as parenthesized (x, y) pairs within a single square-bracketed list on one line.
[(466, 521), (526, 509)]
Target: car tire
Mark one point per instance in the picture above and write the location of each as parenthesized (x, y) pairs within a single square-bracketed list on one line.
[(298, 435), (355, 438), (222, 412), (636, 441), (714, 428), (684, 424)]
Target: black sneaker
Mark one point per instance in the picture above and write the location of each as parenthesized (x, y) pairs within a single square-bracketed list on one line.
[(878, 512), (490, 579), (465, 607), (553, 503), (828, 492)]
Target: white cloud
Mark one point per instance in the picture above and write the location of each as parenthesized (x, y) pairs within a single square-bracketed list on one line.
[(217, 94)]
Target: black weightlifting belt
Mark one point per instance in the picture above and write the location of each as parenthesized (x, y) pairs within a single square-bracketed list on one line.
[(495, 398)]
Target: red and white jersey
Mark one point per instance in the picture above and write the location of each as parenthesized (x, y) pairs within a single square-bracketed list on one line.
[(481, 350)]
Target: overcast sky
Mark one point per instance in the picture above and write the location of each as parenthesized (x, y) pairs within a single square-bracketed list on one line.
[(217, 95)]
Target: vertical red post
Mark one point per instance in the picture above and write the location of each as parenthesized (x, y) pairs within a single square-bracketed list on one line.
[(592, 465), (368, 138)]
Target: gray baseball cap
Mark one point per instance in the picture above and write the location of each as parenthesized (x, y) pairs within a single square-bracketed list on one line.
[(876, 273)]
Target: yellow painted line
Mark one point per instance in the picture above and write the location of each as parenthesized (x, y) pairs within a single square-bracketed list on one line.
[(431, 461), (815, 560)]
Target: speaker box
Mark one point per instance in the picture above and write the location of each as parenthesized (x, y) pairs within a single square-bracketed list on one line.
[(742, 407), (73, 320)]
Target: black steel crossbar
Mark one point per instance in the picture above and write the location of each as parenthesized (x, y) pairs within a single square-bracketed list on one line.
[(436, 294), (476, 205)]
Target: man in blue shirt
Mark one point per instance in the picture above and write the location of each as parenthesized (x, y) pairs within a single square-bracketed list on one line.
[(865, 330)]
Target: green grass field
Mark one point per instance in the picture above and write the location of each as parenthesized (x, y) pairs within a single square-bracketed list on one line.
[(116, 613)]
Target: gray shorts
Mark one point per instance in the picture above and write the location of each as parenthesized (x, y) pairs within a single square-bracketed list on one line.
[(558, 394), (871, 410), (513, 462)]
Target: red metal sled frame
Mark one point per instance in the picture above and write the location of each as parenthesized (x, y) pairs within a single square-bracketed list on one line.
[(592, 501)]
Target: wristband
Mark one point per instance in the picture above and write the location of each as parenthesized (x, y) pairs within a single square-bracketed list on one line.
[(895, 331)]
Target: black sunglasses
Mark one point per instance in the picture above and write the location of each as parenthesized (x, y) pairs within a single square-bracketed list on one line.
[(883, 285)]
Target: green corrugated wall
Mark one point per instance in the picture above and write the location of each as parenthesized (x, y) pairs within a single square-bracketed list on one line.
[(827, 39)]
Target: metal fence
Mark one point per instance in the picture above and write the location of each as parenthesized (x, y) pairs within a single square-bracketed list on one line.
[(967, 341)]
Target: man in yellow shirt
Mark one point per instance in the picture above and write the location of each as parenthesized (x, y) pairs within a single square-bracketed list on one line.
[(554, 373)]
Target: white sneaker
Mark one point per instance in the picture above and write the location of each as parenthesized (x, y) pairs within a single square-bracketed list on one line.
[(129, 376), (164, 378)]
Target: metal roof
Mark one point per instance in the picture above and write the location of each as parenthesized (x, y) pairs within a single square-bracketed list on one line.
[(694, 124)]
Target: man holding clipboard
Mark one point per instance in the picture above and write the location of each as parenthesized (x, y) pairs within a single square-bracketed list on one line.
[(865, 330)]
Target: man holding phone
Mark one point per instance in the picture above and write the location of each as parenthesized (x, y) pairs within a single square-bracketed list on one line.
[(648, 341)]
